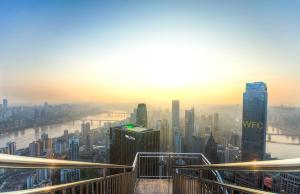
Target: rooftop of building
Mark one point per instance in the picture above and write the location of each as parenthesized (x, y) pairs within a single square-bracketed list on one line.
[(133, 128), (256, 86)]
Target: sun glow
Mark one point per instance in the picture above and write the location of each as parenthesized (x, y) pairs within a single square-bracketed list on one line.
[(167, 66)]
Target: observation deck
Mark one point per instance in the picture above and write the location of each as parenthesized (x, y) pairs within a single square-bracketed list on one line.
[(151, 172)]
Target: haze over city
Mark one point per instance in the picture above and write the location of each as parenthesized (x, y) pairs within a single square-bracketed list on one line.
[(199, 52)]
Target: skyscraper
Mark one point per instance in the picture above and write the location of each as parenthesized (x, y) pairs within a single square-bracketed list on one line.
[(46, 143), (175, 130), (85, 130), (5, 105), (189, 129), (255, 102), (11, 147), (163, 127), (127, 140), (74, 148), (216, 124), (141, 116)]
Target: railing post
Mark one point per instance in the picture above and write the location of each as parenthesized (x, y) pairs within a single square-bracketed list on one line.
[(104, 180), (81, 189)]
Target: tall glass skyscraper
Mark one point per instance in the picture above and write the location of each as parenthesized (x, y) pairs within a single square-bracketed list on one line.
[(255, 103), (141, 116), (175, 130), (189, 129)]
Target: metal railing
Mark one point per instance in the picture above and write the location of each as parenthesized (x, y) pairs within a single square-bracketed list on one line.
[(113, 184), (189, 173), (122, 183)]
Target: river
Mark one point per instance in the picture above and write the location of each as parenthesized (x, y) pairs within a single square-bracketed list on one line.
[(26, 136), (287, 148)]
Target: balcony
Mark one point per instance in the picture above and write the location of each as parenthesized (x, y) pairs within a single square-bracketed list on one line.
[(172, 173)]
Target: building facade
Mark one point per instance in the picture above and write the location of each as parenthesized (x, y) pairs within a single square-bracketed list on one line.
[(141, 115), (189, 129), (127, 140), (255, 102)]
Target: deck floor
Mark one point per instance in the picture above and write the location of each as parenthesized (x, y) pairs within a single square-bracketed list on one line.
[(154, 186)]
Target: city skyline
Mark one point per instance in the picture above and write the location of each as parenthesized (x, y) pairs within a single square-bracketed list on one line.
[(198, 52)]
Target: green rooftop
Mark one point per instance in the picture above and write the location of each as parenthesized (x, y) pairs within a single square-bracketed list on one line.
[(132, 127)]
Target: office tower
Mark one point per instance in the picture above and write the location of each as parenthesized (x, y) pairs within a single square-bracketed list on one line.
[(255, 102), (46, 144), (232, 154), (210, 149), (163, 127), (196, 144), (5, 105), (175, 130), (175, 114), (60, 146), (141, 116), (127, 140), (66, 135), (178, 142), (11, 147), (288, 182), (88, 143), (189, 129), (74, 148), (35, 149), (215, 124), (85, 130)]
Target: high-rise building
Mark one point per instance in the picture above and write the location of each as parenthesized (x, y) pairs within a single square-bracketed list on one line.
[(5, 105), (127, 140), (232, 154), (35, 149), (11, 147), (175, 129), (255, 102), (88, 143), (189, 129), (288, 182), (178, 142), (141, 116), (85, 130), (66, 135), (60, 146), (163, 127), (74, 148), (209, 148), (46, 143), (216, 125)]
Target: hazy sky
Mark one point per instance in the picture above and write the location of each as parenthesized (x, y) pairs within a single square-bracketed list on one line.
[(201, 52)]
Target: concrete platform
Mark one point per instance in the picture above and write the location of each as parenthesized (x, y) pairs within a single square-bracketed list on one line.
[(154, 186)]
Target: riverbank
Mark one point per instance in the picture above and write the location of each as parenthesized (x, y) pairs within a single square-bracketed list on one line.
[(33, 124)]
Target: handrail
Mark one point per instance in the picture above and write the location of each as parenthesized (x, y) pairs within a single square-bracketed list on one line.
[(286, 165), (235, 187), (13, 161), (53, 188), (47, 189)]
